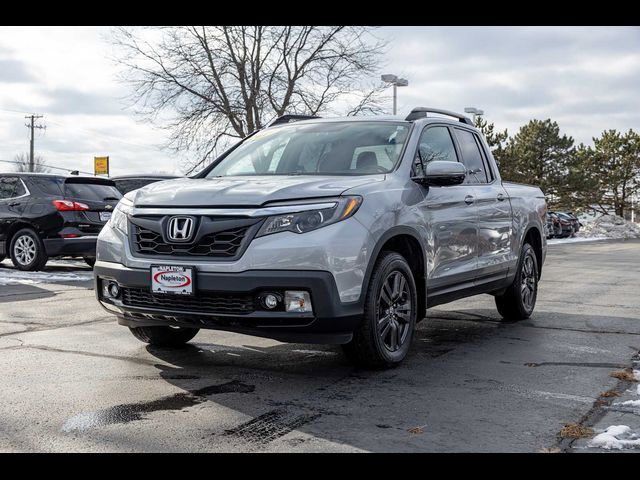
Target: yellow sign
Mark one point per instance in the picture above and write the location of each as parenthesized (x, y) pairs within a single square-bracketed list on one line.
[(101, 165)]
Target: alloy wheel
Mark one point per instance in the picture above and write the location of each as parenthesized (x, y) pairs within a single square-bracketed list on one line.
[(394, 311), (528, 283), (25, 249)]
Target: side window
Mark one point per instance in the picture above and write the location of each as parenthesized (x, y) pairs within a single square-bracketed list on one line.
[(47, 185), (471, 157), (436, 144), (20, 190), (8, 187)]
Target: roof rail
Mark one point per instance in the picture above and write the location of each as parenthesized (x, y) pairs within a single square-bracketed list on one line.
[(421, 112), (291, 118)]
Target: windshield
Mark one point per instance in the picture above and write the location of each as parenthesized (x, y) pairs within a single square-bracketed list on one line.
[(336, 148)]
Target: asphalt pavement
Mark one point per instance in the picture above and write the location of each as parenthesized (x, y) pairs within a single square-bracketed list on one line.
[(74, 380)]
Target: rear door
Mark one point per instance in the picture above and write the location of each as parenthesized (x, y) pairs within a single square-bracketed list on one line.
[(494, 208)]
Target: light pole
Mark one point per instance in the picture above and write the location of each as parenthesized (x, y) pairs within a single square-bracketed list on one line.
[(475, 112), (396, 82)]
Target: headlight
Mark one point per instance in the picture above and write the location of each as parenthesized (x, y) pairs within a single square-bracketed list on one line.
[(120, 215), (302, 222)]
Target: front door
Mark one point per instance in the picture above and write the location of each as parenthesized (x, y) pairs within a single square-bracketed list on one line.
[(451, 220), (12, 198)]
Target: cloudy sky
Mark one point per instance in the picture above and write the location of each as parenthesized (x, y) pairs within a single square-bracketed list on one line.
[(587, 79)]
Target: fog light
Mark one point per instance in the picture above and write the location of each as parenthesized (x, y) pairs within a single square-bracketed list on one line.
[(270, 301), (110, 289), (297, 301)]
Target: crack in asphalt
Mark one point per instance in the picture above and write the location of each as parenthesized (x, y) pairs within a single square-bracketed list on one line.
[(83, 353), (582, 330), (57, 327), (575, 364)]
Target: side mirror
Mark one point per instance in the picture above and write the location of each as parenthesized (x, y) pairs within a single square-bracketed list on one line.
[(442, 173)]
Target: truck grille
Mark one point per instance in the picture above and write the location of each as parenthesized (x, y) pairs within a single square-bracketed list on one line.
[(209, 302), (219, 244)]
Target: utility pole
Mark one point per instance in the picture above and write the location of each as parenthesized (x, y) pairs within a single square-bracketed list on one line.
[(31, 126)]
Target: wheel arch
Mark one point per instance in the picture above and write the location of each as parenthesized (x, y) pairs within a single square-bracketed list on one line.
[(405, 241), (533, 236), (15, 228)]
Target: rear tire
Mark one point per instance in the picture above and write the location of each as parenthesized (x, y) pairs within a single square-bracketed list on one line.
[(27, 251), (519, 300), (383, 337), (164, 336)]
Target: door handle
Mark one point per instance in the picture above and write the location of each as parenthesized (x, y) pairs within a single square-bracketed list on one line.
[(469, 199), (500, 197), (15, 204)]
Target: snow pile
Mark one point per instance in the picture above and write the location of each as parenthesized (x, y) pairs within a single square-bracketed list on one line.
[(17, 277), (609, 226), (616, 437)]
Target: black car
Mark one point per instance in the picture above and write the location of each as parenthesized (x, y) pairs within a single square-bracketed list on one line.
[(553, 227), (569, 223), (44, 216), (128, 183)]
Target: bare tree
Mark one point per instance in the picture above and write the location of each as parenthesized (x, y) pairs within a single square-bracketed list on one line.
[(217, 83), (22, 164)]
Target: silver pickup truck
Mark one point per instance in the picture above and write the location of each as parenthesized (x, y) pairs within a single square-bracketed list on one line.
[(314, 230)]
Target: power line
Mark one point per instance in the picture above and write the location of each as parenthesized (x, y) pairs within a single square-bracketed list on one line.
[(49, 166)]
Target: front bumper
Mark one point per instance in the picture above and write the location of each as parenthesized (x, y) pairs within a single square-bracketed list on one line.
[(80, 246), (331, 321)]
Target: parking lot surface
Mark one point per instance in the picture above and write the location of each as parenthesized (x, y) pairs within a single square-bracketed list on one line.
[(73, 380)]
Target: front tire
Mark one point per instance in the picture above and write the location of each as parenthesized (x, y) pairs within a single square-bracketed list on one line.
[(164, 336), (383, 337), (519, 300), (27, 251)]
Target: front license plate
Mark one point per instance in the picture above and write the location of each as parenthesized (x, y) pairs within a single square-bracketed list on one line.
[(172, 279), (105, 216)]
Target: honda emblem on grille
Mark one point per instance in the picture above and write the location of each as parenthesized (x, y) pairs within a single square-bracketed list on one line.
[(180, 229)]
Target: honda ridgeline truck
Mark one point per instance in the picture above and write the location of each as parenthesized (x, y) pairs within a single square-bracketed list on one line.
[(337, 231)]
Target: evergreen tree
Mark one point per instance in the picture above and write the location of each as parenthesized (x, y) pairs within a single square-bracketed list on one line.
[(495, 139), (610, 171), (540, 156)]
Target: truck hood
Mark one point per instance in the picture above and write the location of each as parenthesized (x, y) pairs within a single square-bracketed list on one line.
[(245, 191)]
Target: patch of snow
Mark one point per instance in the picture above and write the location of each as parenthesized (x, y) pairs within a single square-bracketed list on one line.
[(18, 277), (609, 226), (616, 437), (629, 403), (559, 241), (314, 352)]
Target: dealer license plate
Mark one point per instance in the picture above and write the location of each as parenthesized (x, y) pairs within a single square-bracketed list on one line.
[(172, 279)]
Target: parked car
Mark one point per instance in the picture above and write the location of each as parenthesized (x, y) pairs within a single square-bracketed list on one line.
[(554, 229), (572, 219), (44, 216), (569, 224), (326, 231), (128, 183)]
